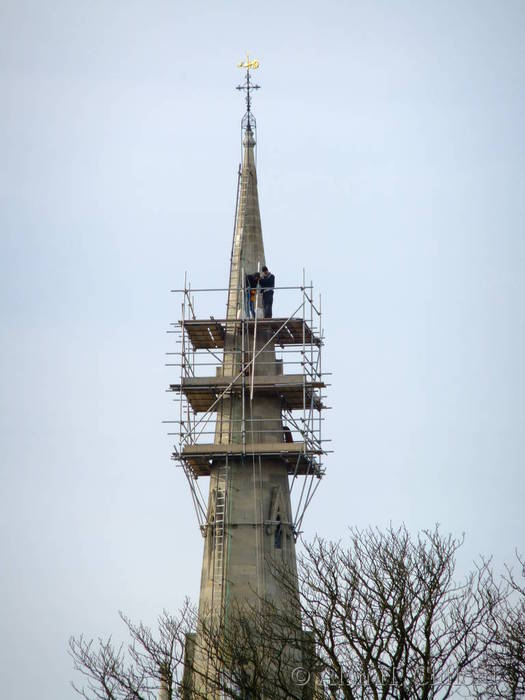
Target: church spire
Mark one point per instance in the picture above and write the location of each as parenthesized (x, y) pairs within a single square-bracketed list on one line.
[(250, 403)]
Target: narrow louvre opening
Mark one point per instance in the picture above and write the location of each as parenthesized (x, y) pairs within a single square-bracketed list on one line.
[(278, 537)]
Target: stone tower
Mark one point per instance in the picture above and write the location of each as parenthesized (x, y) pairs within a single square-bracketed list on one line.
[(248, 521)]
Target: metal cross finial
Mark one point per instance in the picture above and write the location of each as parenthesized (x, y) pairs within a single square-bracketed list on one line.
[(248, 120)]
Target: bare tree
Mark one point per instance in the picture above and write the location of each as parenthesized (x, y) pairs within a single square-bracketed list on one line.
[(501, 671), (385, 615), (246, 657), (148, 664), (388, 617)]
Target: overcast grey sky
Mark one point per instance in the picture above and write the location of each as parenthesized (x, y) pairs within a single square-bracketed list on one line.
[(391, 165)]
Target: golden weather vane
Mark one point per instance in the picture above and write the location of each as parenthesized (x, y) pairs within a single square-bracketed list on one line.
[(248, 120), (249, 64)]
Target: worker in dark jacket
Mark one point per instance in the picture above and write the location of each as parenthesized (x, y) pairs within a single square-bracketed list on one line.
[(267, 284)]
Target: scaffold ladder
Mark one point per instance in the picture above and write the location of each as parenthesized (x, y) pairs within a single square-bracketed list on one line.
[(220, 530)]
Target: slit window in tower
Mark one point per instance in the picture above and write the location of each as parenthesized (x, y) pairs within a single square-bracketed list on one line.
[(278, 537)]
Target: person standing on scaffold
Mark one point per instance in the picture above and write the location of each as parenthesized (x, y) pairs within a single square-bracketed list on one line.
[(267, 282)]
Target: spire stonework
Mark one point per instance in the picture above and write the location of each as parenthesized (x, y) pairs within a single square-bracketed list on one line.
[(248, 246), (249, 513), (249, 483)]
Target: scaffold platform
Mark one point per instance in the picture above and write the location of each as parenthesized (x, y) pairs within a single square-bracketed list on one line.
[(294, 392), (210, 333), (299, 462)]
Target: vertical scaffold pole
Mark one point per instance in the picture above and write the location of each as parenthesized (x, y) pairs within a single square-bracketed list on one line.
[(320, 377), (254, 336), (244, 329), (182, 363), (311, 417), (303, 359)]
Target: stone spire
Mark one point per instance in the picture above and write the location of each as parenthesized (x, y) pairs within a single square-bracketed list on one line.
[(248, 246), (249, 521), (247, 258)]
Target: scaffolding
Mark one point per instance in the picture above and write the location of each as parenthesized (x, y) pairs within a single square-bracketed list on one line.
[(204, 387)]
